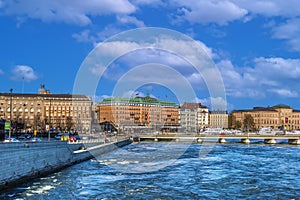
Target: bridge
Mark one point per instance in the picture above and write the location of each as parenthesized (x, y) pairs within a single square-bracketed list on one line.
[(246, 139)]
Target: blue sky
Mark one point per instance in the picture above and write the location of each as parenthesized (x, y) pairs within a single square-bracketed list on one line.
[(254, 44)]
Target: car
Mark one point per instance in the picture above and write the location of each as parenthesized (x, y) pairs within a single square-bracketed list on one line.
[(35, 139), (11, 140), (21, 137), (60, 134), (72, 138)]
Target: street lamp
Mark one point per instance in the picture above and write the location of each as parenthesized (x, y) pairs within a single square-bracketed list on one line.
[(49, 120), (9, 133)]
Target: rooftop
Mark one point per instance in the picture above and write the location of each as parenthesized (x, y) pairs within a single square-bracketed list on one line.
[(139, 100)]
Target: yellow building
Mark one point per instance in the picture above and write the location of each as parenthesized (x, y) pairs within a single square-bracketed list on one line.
[(138, 113), (279, 116), (218, 119), (44, 110)]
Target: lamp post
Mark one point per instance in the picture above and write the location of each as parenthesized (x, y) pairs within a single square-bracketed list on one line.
[(9, 133), (49, 121)]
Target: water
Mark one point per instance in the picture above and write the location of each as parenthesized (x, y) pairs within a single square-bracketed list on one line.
[(175, 171)]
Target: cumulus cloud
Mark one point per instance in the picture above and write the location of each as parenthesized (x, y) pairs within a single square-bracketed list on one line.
[(284, 92), (84, 36), (270, 8), (215, 103), (289, 31), (75, 12), (267, 76), (125, 19), (23, 72), (223, 12), (210, 11)]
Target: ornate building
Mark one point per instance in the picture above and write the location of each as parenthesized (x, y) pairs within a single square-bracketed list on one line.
[(193, 117), (218, 119), (279, 116), (138, 113), (44, 110)]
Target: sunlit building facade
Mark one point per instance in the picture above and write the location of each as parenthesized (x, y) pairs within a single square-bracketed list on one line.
[(276, 117), (138, 113), (218, 119), (193, 117), (44, 110)]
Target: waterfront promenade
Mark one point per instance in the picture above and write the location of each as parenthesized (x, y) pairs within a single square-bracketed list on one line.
[(268, 139), (22, 161)]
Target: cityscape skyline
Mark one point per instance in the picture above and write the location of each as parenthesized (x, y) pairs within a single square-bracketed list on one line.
[(255, 46)]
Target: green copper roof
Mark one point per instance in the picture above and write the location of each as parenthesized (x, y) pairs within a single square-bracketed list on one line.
[(140, 100), (281, 106)]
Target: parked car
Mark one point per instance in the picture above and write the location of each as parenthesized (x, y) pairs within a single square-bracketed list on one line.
[(72, 138), (21, 137), (11, 140), (35, 139), (62, 136)]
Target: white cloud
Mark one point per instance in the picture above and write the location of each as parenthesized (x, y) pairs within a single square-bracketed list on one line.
[(23, 72), (84, 36), (215, 103), (224, 11), (75, 12), (268, 76), (97, 69), (125, 19), (210, 11), (278, 68), (284, 92), (289, 31), (270, 8), (96, 98)]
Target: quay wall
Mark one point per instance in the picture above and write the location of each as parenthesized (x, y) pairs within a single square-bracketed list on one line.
[(20, 162)]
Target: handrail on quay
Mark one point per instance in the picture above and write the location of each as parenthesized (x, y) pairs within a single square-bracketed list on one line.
[(268, 139)]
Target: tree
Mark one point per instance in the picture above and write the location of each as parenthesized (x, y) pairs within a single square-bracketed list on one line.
[(238, 124), (230, 121), (248, 122)]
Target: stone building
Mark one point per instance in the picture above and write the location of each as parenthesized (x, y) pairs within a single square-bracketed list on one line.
[(44, 110), (218, 119), (279, 116), (193, 117), (139, 113)]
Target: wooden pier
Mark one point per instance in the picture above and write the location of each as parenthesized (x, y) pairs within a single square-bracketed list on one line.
[(246, 139)]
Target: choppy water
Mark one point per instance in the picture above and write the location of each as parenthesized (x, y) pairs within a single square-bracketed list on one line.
[(167, 171)]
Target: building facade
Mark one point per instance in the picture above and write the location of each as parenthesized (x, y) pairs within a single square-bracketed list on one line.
[(218, 119), (43, 111), (139, 113), (276, 117), (193, 117)]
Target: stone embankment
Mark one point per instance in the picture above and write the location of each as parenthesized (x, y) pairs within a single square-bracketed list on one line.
[(24, 161)]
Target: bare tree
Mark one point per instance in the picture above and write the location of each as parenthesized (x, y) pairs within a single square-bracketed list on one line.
[(248, 122)]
